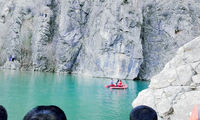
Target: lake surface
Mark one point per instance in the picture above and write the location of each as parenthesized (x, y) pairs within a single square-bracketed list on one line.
[(81, 98)]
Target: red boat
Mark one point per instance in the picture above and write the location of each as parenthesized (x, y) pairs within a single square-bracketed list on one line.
[(122, 87), (108, 86), (117, 87)]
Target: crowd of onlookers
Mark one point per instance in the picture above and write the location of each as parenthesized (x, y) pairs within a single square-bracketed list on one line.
[(55, 113)]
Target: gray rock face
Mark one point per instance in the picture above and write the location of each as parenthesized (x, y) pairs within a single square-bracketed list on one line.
[(72, 28), (28, 31), (103, 38), (14, 65), (175, 90), (111, 46), (100, 38), (167, 25)]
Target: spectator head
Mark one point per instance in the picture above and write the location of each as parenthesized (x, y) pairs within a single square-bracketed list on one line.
[(3, 113), (45, 113), (143, 112)]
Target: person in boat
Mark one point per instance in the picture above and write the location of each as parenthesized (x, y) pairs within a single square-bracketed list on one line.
[(45, 113), (112, 83), (119, 84), (143, 112), (3, 113), (116, 83)]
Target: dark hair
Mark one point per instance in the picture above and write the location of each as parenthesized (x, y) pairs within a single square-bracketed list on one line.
[(3, 113), (143, 112), (45, 113)]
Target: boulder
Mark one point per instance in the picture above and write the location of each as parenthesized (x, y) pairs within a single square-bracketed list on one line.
[(175, 90)]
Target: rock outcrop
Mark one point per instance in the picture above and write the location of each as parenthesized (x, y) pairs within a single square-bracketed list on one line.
[(12, 65), (175, 90), (103, 38)]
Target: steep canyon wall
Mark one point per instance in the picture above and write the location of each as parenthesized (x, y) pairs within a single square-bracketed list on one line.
[(105, 38)]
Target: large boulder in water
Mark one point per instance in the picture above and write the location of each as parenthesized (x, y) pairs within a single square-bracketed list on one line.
[(176, 89)]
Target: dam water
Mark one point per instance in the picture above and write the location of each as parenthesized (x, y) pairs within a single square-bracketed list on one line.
[(81, 98)]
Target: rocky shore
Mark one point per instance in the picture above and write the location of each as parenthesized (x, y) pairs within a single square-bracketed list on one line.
[(176, 89)]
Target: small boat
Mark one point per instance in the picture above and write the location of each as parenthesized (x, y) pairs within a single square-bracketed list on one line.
[(122, 87), (116, 87)]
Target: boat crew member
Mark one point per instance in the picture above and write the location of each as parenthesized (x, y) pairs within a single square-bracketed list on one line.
[(120, 84), (116, 84)]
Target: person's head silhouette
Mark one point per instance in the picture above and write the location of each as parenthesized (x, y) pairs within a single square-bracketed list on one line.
[(45, 113), (143, 112), (3, 113)]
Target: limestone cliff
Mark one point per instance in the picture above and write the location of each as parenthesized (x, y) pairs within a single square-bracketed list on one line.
[(175, 90), (103, 38), (97, 38), (167, 25)]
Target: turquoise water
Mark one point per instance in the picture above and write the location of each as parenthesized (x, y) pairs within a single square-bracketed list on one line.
[(81, 98)]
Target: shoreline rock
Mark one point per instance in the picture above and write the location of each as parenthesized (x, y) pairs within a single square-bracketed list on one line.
[(175, 90)]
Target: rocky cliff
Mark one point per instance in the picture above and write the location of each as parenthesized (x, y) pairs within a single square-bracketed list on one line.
[(175, 90), (103, 38), (167, 25)]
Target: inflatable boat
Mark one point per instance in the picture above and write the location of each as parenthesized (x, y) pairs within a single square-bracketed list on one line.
[(115, 87), (122, 87)]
